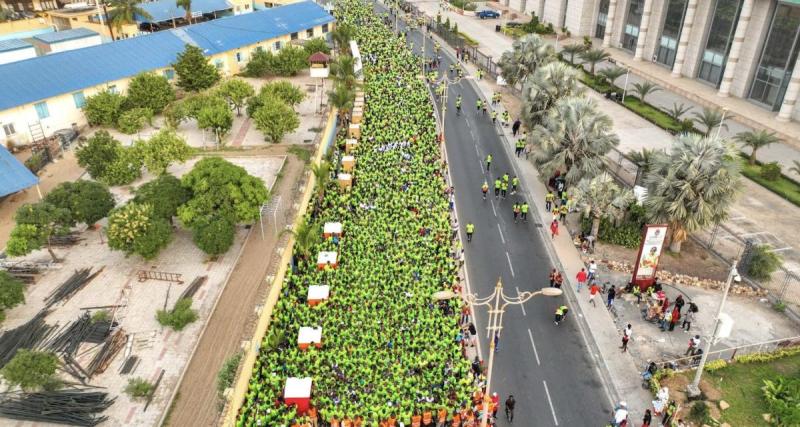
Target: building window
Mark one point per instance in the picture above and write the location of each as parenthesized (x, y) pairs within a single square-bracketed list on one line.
[(218, 63), (324, 28), (269, 5), (41, 110), (169, 74), (259, 49), (239, 57), (277, 45), (8, 128), (778, 57), (113, 89), (247, 6), (631, 34), (294, 36), (602, 17), (671, 32), (79, 99), (720, 38), (310, 33)]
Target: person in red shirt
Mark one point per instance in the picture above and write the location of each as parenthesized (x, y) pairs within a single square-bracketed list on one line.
[(554, 229), (581, 278), (593, 291)]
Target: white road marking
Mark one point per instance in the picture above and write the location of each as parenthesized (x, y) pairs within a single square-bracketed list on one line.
[(477, 152), (501, 234), (472, 135), (535, 353), (550, 401), (493, 209), (522, 306), (508, 257)]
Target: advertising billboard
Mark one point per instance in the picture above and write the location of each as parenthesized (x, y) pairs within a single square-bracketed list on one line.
[(644, 272)]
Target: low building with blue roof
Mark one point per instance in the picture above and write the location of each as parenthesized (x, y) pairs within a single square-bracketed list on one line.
[(15, 50), (51, 89), (61, 41)]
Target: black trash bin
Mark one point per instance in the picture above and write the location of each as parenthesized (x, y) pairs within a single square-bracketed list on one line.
[(497, 28)]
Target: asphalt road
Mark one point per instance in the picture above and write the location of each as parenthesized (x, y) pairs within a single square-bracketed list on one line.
[(546, 367)]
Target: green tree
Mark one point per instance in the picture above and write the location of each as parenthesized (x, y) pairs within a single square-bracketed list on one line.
[(275, 119), (322, 176), (260, 64), (600, 197), (342, 99), (692, 187), (644, 158), (32, 370), (125, 169), (645, 88), (594, 57), (306, 237), (289, 61), (283, 90), (194, 71), (99, 151), (136, 229), (36, 224), (763, 262), (134, 120), (148, 90), (187, 7), (548, 84), (343, 72), (677, 111), (124, 12), (221, 188), (573, 138), (342, 35), (711, 118), (755, 140), (165, 194), (236, 92), (180, 316), (527, 54), (86, 201), (573, 49), (12, 293), (317, 44), (610, 74), (163, 149), (103, 108), (216, 118), (214, 235)]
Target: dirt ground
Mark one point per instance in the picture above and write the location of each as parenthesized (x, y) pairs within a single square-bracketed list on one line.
[(196, 402)]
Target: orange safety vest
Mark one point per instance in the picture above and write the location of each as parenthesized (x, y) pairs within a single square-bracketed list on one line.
[(334, 422), (416, 421), (427, 417), (347, 423)]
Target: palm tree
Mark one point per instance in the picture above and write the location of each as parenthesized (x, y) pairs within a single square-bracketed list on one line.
[(306, 236), (611, 74), (644, 158), (601, 197), (124, 12), (342, 35), (548, 84), (343, 71), (756, 140), (526, 55), (593, 57), (342, 99), (573, 138), (645, 88), (322, 175), (187, 6), (677, 111), (692, 187), (710, 119), (572, 49), (795, 167)]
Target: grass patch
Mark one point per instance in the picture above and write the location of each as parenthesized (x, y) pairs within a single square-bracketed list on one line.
[(469, 40), (301, 153), (513, 32), (740, 385), (652, 114), (783, 186)]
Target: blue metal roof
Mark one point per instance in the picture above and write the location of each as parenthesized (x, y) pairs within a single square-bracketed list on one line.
[(166, 10), (62, 36), (35, 79), (14, 176), (13, 44)]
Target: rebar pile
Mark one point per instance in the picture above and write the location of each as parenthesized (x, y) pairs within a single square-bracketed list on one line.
[(26, 336), (71, 286), (26, 273), (65, 240), (193, 287), (73, 407), (68, 339), (103, 358)]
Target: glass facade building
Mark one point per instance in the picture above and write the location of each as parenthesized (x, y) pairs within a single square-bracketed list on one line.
[(720, 38), (632, 23), (671, 32), (602, 17), (778, 57)]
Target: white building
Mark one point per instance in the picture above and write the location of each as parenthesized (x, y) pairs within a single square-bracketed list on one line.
[(15, 50), (61, 41)]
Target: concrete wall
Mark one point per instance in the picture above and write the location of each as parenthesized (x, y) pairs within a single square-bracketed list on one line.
[(751, 48), (552, 12), (697, 41), (582, 17), (23, 25), (657, 16), (17, 55)]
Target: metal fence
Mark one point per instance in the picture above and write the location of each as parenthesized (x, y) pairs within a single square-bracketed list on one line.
[(728, 354)]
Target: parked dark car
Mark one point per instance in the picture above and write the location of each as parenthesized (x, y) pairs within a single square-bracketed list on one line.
[(488, 13)]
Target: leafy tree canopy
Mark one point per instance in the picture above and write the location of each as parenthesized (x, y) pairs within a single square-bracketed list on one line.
[(317, 44), (104, 108), (214, 235), (163, 149), (98, 152), (12, 293), (36, 223), (216, 118), (135, 229), (148, 90), (194, 71), (164, 194), (86, 201), (236, 92), (32, 370), (275, 119)]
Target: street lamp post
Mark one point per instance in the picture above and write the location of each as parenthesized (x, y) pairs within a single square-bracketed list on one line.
[(625, 90), (497, 303), (721, 122)]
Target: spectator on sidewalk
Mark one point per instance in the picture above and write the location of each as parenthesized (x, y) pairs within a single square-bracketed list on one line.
[(679, 303), (612, 293), (559, 280), (665, 321), (549, 198), (648, 418), (687, 321), (694, 345), (554, 229), (553, 274), (592, 270), (676, 315), (626, 336), (593, 291), (515, 127), (581, 278)]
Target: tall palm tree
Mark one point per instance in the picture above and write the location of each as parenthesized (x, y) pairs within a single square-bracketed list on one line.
[(342, 99), (756, 140), (124, 12), (692, 187), (343, 71), (548, 84), (645, 88), (601, 197), (526, 55), (611, 74), (306, 236), (322, 175), (710, 118), (342, 35), (644, 158), (573, 138), (187, 7), (593, 57), (677, 111), (572, 49)]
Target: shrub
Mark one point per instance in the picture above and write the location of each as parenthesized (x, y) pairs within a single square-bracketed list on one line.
[(783, 399), (180, 315), (699, 411), (628, 233), (227, 373), (101, 316), (138, 388), (32, 370), (148, 90), (771, 171), (315, 45), (715, 365), (12, 293), (103, 108), (134, 120), (763, 262), (289, 61), (35, 162), (260, 64), (97, 153)]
